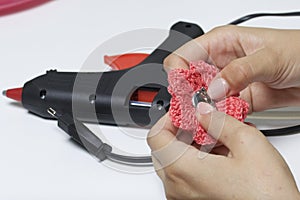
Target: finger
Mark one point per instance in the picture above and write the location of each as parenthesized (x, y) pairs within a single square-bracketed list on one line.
[(261, 97), (162, 133), (174, 61), (163, 143), (235, 135), (218, 47), (193, 50), (170, 152), (239, 73)]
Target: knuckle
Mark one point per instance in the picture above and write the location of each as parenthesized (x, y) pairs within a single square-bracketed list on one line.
[(273, 58), (174, 61), (245, 70), (239, 65), (168, 60), (238, 73)]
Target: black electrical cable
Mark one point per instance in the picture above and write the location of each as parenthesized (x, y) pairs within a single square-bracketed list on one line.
[(256, 15), (282, 131), (92, 143)]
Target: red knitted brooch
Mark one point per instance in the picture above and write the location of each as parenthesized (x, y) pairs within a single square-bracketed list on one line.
[(183, 83)]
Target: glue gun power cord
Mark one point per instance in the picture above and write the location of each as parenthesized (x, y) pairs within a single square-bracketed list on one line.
[(92, 143)]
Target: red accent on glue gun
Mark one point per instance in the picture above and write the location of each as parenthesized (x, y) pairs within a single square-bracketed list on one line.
[(15, 94), (124, 61)]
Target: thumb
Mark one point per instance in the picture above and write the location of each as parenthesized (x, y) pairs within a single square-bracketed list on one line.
[(239, 73), (235, 135)]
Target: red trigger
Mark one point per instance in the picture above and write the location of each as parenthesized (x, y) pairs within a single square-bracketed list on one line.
[(124, 61)]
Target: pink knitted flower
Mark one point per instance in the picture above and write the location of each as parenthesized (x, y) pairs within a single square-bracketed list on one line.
[(183, 83)]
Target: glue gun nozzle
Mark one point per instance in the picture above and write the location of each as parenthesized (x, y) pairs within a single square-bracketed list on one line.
[(15, 93)]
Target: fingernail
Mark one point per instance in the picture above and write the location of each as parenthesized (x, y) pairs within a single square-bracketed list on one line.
[(218, 88), (204, 108)]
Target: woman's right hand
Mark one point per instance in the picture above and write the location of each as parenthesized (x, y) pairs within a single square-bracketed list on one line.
[(263, 64)]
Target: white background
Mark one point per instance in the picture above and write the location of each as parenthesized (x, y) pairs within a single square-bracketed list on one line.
[(37, 160)]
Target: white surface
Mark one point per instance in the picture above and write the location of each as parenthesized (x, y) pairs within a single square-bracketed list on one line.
[(37, 159)]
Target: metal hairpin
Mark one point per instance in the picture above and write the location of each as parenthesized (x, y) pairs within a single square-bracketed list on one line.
[(202, 96)]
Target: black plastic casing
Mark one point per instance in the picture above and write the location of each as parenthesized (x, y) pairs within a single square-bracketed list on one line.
[(95, 97)]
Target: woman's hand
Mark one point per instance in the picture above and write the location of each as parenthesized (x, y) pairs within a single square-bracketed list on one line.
[(252, 169), (262, 63)]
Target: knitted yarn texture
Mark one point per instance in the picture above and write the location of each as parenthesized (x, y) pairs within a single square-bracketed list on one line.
[(183, 83)]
